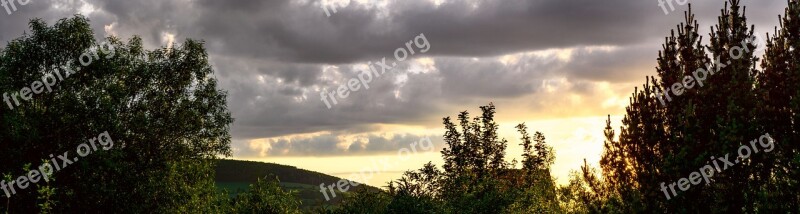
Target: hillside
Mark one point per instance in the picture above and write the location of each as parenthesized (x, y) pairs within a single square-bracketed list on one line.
[(236, 175)]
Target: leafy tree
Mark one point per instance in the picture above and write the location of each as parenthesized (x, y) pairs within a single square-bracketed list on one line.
[(475, 177), (473, 159), (538, 189), (162, 109), (266, 196), (364, 201)]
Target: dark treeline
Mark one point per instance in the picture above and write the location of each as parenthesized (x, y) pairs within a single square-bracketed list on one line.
[(169, 123)]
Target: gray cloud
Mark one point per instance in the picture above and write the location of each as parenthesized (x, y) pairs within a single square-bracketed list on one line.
[(298, 31), (275, 57), (331, 145), (14, 25)]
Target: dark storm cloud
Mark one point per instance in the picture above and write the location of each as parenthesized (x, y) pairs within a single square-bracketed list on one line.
[(274, 57), (14, 25), (471, 78), (622, 64), (298, 31), (269, 108)]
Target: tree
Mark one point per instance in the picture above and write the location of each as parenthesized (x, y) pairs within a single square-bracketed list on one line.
[(778, 87), (266, 196), (475, 177), (162, 109), (667, 137)]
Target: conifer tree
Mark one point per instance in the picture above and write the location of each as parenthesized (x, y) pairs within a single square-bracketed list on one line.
[(778, 87), (700, 105)]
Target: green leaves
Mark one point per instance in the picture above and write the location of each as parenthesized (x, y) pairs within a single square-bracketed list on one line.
[(163, 106), (266, 196)]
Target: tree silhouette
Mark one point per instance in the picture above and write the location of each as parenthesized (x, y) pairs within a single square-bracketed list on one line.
[(475, 177), (778, 89)]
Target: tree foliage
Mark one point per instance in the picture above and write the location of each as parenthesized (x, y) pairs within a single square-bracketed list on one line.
[(666, 141), (475, 177), (266, 196), (161, 107)]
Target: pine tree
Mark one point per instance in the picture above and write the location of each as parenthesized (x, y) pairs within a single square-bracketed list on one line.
[(668, 135), (731, 96), (778, 87)]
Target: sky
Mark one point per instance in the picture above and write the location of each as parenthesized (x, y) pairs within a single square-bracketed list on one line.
[(560, 66)]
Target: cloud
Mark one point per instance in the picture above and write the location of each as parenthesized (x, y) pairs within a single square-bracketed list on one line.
[(547, 58), (298, 31), (329, 144)]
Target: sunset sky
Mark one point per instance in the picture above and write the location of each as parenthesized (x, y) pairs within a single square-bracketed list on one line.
[(560, 66)]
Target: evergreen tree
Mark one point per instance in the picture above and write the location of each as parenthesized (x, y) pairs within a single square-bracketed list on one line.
[(667, 137), (778, 88)]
